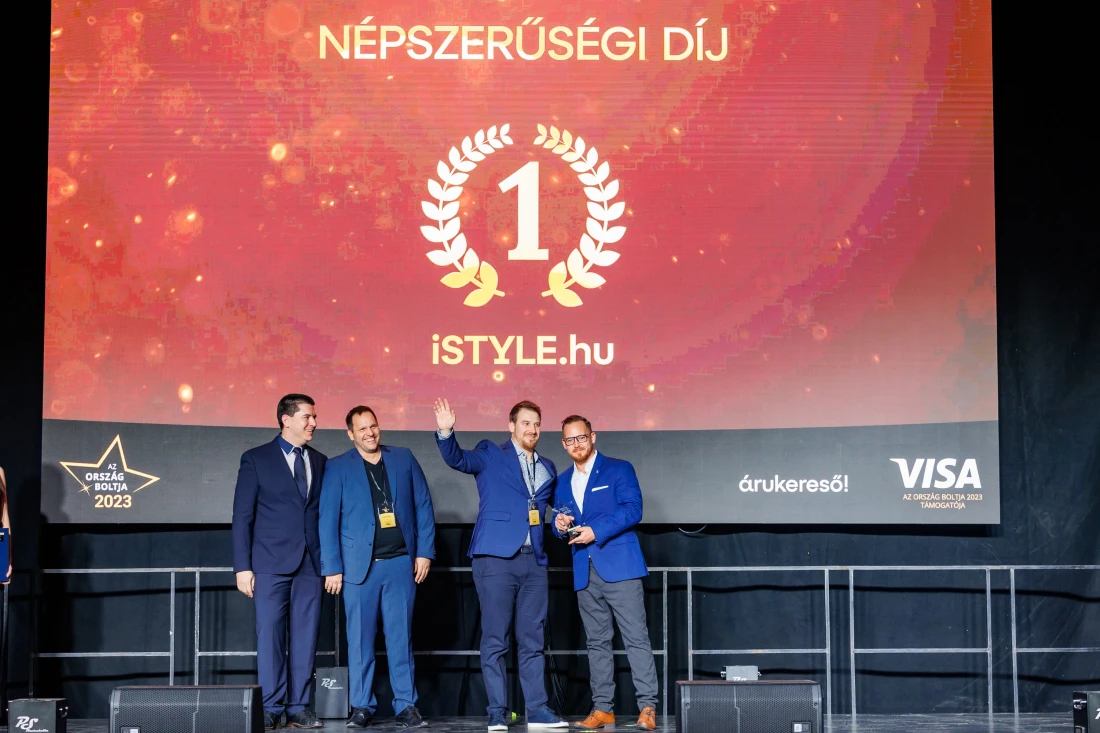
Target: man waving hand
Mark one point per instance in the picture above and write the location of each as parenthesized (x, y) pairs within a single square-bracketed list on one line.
[(514, 485)]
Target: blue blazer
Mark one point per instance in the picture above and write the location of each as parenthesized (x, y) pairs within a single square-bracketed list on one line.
[(502, 520), (272, 525), (612, 506), (347, 512)]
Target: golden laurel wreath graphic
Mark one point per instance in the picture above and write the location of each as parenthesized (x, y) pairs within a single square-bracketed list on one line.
[(598, 227), (577, 267), (456, 253)]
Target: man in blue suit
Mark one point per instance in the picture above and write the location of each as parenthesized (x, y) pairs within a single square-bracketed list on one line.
[(377, 543), (277, 559), (514, 485), (608, 566)]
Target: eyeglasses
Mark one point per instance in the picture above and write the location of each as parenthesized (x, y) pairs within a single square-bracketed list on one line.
[(576, 439)]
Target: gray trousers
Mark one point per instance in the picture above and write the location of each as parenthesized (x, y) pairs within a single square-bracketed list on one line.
[(626, 600)]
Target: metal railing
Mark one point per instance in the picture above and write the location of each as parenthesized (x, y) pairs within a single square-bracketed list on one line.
[(663, 651), (438, 652), (987, 649), (827, 650), (854, 650), (1017, 650), (171, 653), (199, 652)]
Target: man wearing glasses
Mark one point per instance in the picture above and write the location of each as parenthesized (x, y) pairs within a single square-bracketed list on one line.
[(602, 496)]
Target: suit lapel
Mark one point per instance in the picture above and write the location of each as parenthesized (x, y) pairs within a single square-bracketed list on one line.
[(359, 484), (565, 483), (286, 472), (509, 449), (387, 460), (315, 476), (551, 472), (593, 472)]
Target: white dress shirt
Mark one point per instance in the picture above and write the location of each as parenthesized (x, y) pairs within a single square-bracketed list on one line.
[(289, 455), (580, 480), (541, 476)]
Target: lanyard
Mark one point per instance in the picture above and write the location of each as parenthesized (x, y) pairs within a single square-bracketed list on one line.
[(379, 489), (530, 468)]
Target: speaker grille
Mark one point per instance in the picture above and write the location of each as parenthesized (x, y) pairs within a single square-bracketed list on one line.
[(749, 707), (205, 709)]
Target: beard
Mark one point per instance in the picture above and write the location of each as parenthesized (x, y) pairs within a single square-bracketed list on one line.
[(581, 455)]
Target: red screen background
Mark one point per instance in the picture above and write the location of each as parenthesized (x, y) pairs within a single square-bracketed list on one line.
[(809, 229)]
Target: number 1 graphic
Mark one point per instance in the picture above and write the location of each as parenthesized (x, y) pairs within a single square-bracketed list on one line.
[(527, 215)]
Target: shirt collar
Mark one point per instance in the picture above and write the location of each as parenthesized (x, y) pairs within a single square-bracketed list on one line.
[(286, 447), (588, 464), (520, 451)]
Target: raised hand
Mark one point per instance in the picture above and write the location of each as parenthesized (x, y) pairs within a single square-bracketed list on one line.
[(444, 416)]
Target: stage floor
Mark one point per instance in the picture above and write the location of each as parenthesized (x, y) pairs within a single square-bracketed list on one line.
[(841, 724)]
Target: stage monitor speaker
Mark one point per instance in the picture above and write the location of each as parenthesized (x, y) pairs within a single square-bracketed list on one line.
[(43, 715), (330, 693), (1086, 712), (187, 709), (772, 706)]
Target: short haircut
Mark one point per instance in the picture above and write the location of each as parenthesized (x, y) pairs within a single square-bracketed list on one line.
[(358, 410), (577, 418), (525, 405), (289, 405)]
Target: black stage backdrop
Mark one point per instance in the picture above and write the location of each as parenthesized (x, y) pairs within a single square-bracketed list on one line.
[(1049, 344)]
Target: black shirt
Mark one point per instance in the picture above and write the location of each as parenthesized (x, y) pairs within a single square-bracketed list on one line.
[(388, 542)]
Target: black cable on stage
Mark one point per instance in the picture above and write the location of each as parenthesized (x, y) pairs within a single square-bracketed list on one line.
[(464, 687), (555, 682)]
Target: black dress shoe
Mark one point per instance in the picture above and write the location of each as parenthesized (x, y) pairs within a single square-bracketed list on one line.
[(304, 719), (410, 718), (271, 720), (360, 718)]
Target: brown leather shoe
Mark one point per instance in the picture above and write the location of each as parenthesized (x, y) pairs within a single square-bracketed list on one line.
[(597, 719), (648, 718)]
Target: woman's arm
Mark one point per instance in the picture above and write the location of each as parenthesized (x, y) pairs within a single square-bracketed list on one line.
[(7, 524), (4, 496)]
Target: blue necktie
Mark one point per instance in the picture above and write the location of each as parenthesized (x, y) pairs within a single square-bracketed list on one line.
[(300, 473)]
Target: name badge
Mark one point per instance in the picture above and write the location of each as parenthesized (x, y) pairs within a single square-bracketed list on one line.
[(533, 516), (387, 519)]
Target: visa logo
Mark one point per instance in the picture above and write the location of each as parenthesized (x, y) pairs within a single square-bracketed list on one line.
[(948, 478)]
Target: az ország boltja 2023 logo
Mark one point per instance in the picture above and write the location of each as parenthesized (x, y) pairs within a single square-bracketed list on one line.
[(109, 482)]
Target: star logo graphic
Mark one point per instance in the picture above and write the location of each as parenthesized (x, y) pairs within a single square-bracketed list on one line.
[(125, 471)]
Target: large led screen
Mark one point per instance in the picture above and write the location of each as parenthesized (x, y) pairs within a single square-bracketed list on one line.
[(752, 242)]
